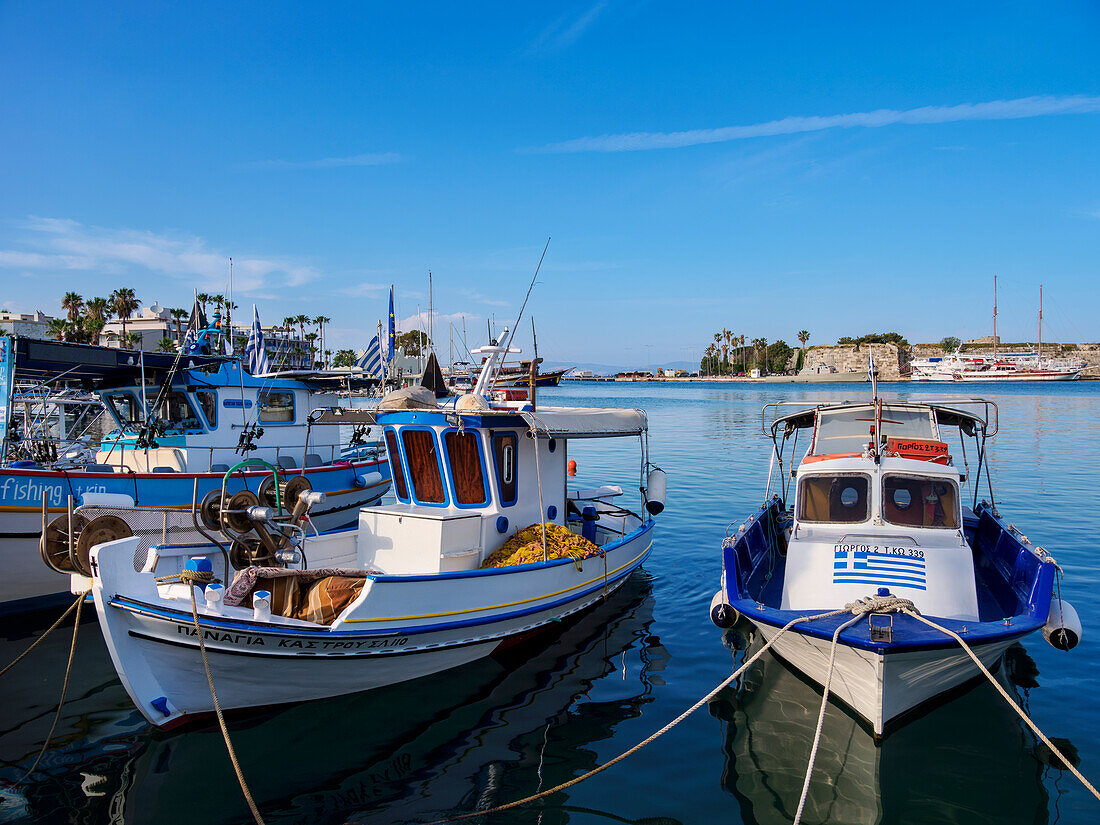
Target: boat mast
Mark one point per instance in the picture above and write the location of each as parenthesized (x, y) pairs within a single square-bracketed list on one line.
[(994, 317), (1040, 364)]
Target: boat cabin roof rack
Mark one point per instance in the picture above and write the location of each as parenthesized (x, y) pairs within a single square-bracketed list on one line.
[(49, 361), (549, 422), (969, 414)]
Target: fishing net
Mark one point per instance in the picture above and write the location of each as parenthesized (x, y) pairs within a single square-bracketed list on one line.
[(526, 546)]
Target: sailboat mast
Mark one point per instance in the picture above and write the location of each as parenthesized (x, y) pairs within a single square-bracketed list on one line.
[(1040, 364), (994, 317)]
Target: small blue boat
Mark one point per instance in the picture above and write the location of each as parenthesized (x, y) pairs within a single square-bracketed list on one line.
[(871, 519)]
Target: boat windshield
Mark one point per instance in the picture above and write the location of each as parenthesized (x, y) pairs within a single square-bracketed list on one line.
[(848, 430), (125, 408), (834, 498), (919, 501)]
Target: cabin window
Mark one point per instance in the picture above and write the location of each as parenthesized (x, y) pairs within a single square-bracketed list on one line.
[(504, 458), (396, 470), (208, 401), (125, 408), (175, 411), (919, 501), (276, 407), (423, 459), (464, 459), (834, 498)]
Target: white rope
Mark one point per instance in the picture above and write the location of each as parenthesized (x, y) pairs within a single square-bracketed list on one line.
[(1004, 693), (821, 715)]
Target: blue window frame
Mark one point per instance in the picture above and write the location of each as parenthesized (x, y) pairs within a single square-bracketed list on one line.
[(397, 466), (424, 465), (467, 476), (506, 466)]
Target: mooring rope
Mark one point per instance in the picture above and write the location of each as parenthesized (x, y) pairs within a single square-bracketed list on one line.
[(193, 577), (79, 604), (577, 780), (1004, 693), (38, 641), (821, 715)]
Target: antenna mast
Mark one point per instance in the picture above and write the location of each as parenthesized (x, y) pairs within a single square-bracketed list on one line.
[(1040, 364), (994, 317)]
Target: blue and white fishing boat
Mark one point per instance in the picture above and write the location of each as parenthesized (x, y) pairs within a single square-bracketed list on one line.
[(874, 509), (180, 422), (406, 593)]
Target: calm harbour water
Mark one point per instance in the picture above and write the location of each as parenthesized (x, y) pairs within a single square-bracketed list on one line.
[(508, 727)]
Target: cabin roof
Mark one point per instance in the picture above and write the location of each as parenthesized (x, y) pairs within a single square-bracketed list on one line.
[(46, 360), (948, 413), (546, 422)]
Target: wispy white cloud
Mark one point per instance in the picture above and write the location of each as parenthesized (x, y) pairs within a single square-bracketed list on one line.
[(1025, 107), (372, 159), (62, 244), (478, 297), (567, 29)]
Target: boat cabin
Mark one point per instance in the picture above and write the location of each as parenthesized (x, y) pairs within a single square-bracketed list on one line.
[(876, 503), (465, 482), (203, 415)]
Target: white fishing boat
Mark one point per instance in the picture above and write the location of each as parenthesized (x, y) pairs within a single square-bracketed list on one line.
[(420, 585), (871, 527)]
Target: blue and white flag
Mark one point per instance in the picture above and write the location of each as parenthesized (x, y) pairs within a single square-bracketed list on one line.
[(370, 361), (254, 350), (880, 569), (872, 374)]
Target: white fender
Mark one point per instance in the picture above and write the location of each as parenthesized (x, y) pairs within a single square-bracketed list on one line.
[(656, 487), (724, 615), (1063, 628)]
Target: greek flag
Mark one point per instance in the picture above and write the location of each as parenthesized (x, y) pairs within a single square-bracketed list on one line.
[(370, 361), (882, 569), (872, 374), (255, 350)]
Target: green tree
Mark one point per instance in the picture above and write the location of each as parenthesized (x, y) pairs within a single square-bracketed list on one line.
[(344, 358), (123, 303), (950, 344), (72, 303), (166, 345), (58, 328), (414, 342), (178, 315), (803, 337), (779, 356), (320, 321)]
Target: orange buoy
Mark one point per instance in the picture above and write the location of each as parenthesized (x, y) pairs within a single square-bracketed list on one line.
[(572, 467)]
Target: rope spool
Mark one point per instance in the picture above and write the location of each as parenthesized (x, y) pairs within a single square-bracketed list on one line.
[(99, 530), (53, 545), (238, 521)]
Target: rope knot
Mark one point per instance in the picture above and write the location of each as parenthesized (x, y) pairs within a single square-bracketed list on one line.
[(881, 604)]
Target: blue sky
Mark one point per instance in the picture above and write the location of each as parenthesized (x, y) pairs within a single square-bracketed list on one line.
[(765, 167)]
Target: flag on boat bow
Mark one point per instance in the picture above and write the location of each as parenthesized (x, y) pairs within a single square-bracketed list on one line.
[(370, 361), (255, 350)]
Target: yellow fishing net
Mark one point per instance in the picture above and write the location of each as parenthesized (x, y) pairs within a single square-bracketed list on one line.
[(526, 546)]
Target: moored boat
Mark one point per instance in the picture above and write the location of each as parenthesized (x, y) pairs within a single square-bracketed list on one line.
[(871, 527), (419, 586)]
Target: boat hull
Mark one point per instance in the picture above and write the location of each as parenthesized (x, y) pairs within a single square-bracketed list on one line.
[(28, 584), (445, 623), (881, 686)]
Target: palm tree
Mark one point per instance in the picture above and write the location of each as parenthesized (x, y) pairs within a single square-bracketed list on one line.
[(93, 328), (301, 321), (166, 345), (803, 337), (123, 303), (58, 327), (73, 303), (757, 345), (320, 321), (310, 338), (203, 298), (178, 315), (131, 340)]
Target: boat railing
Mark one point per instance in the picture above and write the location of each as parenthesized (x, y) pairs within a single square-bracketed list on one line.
[(154, 527), (988, 417), (230, 455)]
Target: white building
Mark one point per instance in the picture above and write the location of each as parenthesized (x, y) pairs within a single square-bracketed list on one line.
[(26, 325)]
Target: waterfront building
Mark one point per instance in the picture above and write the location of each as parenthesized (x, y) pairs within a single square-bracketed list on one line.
[(26, 324)]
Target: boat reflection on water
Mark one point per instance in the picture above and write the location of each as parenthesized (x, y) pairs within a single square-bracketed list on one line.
[(970, 759), (481, 735)]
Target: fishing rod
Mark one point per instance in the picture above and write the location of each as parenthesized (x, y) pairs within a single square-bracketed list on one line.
[(523, 306)]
